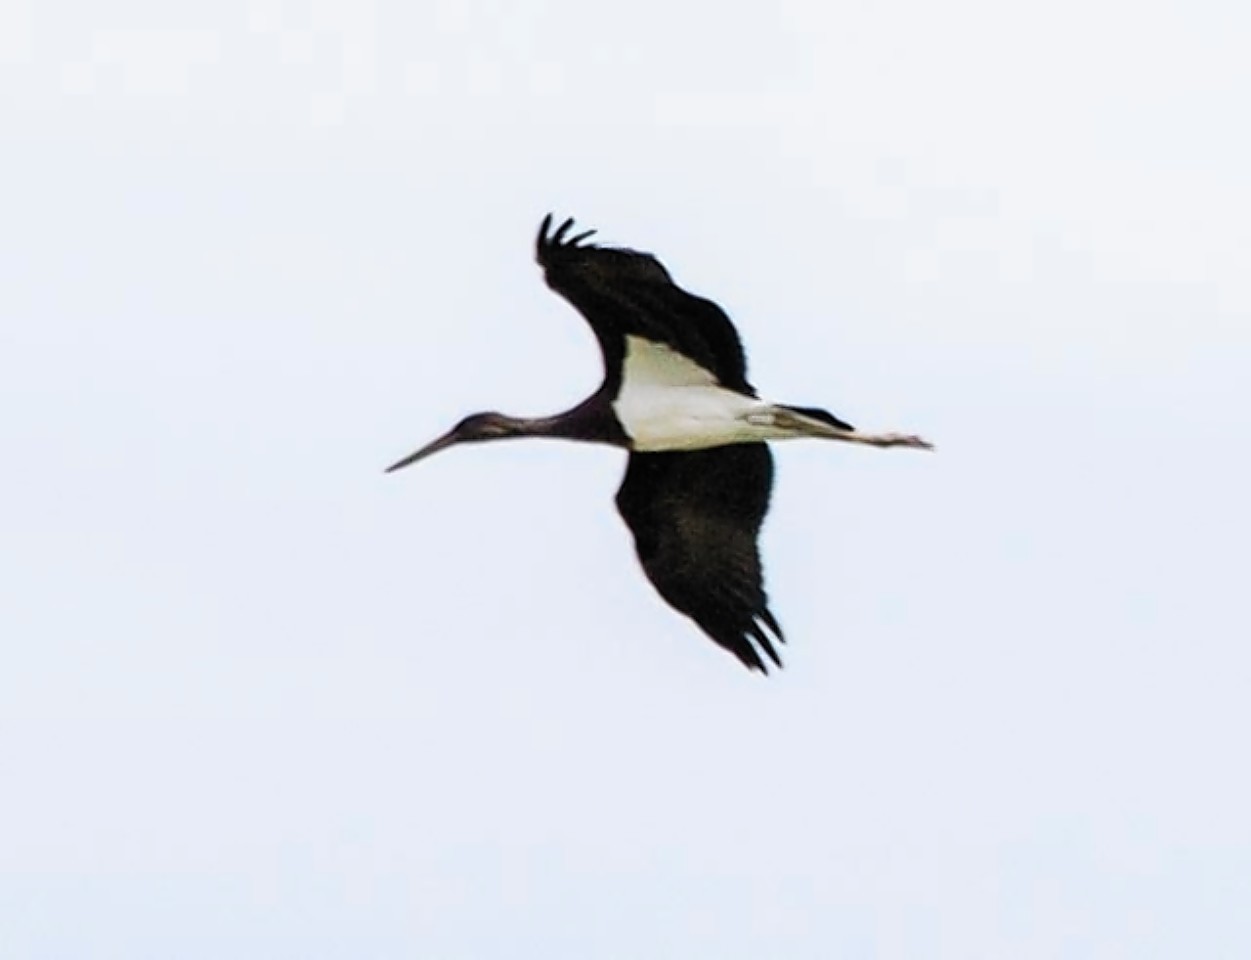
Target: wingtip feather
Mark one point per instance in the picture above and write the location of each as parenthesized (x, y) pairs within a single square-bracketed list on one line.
[(765, 643), (771, 622)]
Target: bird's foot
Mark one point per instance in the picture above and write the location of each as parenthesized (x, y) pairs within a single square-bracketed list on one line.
[(901, 440)]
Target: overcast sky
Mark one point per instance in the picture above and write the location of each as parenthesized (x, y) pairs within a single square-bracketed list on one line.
[(259, 701)]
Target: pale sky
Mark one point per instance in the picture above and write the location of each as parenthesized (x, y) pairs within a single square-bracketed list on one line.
[(258, 700)]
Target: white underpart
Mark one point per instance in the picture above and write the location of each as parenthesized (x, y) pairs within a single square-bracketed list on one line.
[(669, 402)]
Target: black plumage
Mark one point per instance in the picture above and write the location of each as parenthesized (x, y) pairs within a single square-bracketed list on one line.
[(695, 517), (622, 291), (697, 485)]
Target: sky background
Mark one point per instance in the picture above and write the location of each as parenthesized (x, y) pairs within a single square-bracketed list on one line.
[(259, 701)]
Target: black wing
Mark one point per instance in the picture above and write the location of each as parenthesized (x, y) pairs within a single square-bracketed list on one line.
[(622, 292), (695, 517)]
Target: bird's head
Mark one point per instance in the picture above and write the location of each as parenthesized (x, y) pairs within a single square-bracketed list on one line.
[(477, 426)]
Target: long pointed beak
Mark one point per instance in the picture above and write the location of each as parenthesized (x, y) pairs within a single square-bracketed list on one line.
[(434, 446)]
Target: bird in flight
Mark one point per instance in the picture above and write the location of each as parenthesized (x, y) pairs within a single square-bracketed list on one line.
[(676, 396)]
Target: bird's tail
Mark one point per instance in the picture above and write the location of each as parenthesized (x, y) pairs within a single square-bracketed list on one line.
[(816, 413)]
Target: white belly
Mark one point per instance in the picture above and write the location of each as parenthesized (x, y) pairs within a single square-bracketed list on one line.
[(691, 418), (669, 402)]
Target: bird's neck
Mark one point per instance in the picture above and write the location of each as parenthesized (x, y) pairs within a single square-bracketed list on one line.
[(590, 420)]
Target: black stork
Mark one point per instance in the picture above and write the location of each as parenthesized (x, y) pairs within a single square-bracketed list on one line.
[(675, 394)]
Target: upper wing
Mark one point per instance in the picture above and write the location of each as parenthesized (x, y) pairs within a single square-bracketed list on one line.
[(695, 517), (622, 292)]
